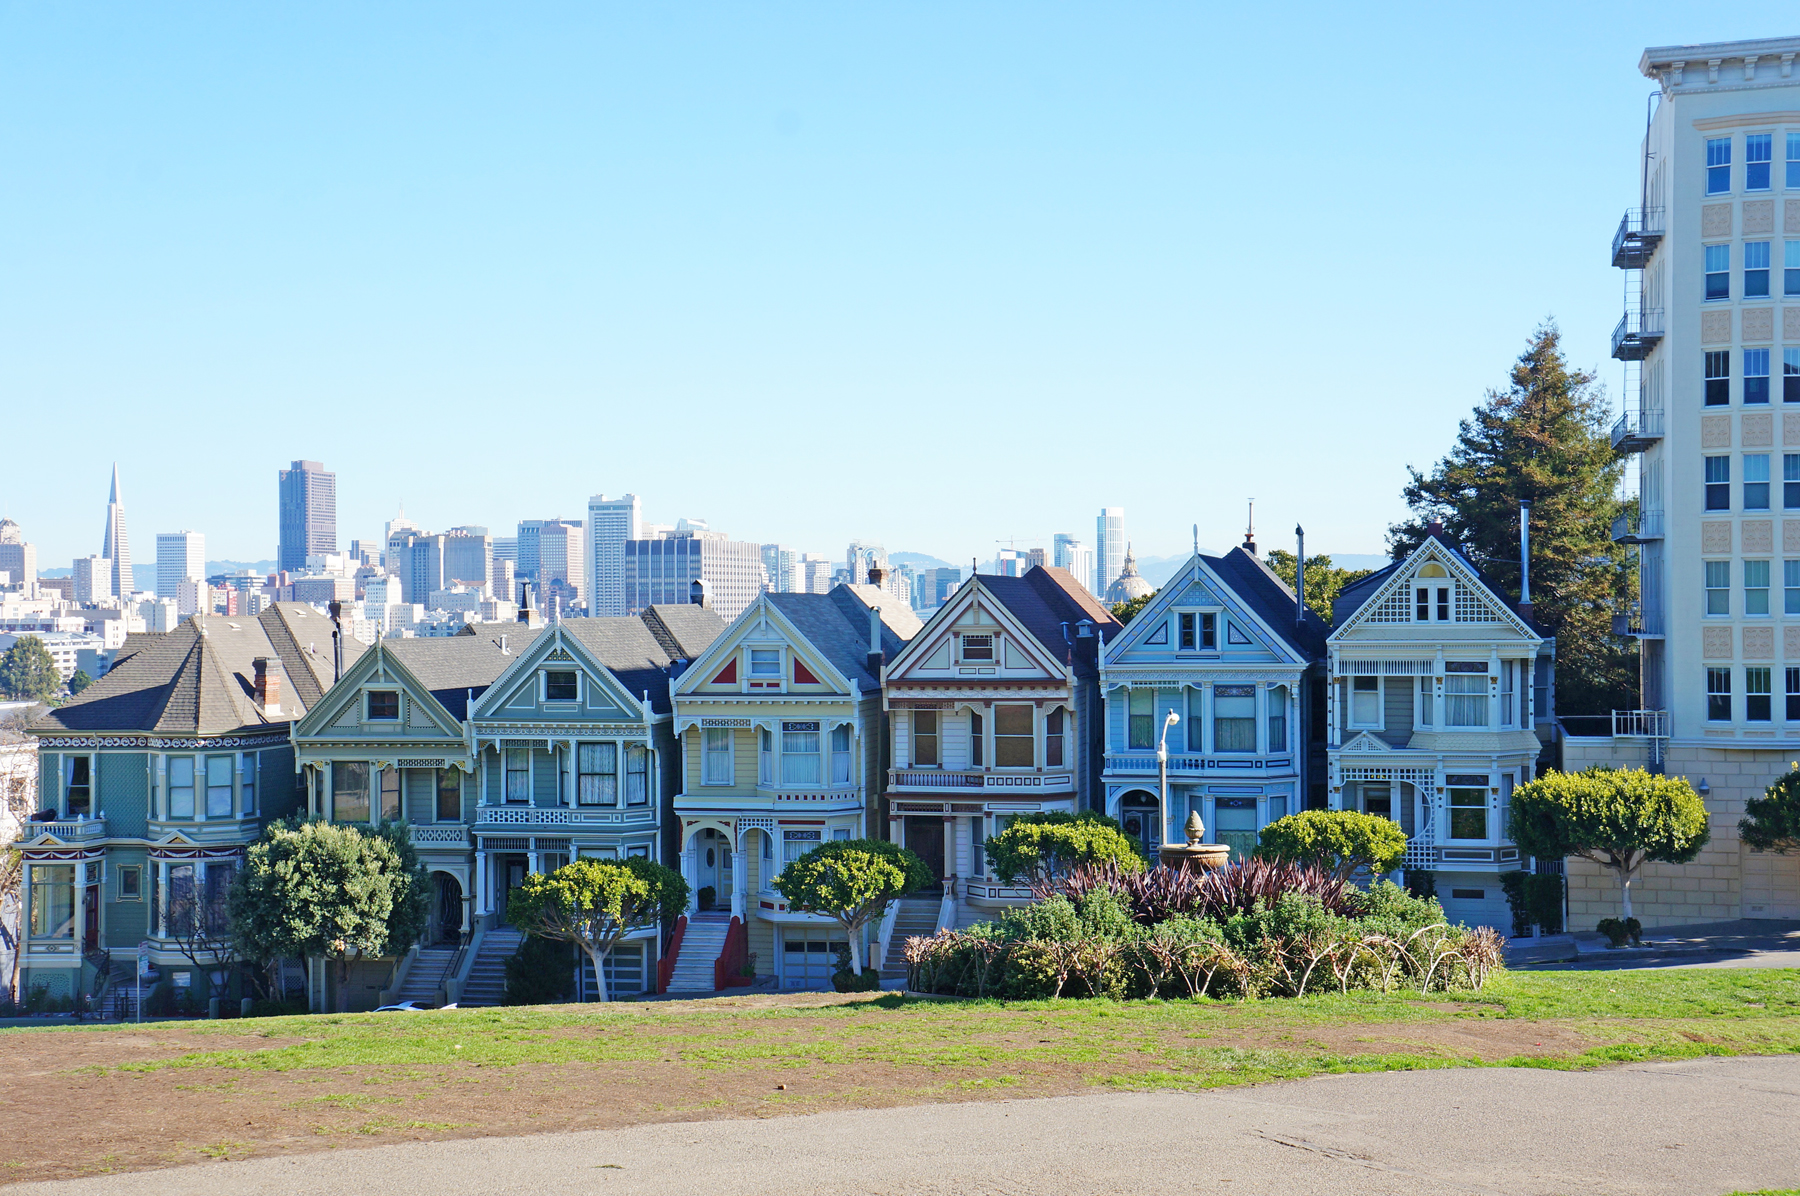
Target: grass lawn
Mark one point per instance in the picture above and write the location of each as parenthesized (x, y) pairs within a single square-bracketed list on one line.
[(181, 1092)]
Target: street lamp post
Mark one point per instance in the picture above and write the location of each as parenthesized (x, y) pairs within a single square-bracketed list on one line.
[(1162, 780)]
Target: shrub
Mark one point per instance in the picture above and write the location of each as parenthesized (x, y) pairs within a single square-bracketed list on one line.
[(540, 972), (1041, 846), (1167, 892), (1620, 931), (705, 897), (1340, 841), (1772, 822)]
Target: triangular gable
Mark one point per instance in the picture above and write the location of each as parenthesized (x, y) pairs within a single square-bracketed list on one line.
[(932, 649), (1197, 585), (1474, 601), (514, 691), (1367, 742), (762, 624), (339, 706)]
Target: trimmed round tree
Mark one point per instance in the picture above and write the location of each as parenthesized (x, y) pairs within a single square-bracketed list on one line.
[(595, 904), (331, 890), (851, 882), (1616, 817), (1036, 847), (1772, 822), (1340, 841)]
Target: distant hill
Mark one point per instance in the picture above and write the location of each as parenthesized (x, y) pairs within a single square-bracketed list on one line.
[(144, 576), (918, 560)]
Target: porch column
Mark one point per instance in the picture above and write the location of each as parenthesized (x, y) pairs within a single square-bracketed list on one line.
[(690, 872), (531, 858), (162, 896), (80, 909), (481, 885), (896, 830), (740, 882)]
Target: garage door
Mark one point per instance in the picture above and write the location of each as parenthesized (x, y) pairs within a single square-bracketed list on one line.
[(1475, 901), (809, 957)]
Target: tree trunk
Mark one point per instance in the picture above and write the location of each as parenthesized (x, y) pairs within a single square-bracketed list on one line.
[(598, 959), (1625, 892), (856, 964), (343, 1001)]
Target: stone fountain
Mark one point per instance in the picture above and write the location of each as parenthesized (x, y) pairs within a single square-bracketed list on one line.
[(1195, 855)]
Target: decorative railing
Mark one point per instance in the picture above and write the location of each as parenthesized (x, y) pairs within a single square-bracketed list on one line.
[(834, 793), (665, 967), (1640, 724), (438, 836), (553, 815), (931, 778), (934, 778), (728, 969), (66, 829)]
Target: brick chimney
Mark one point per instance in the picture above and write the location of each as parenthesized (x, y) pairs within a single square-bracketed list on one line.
[(268, 685)]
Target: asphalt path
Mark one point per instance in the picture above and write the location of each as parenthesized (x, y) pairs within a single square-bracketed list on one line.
[(1704, 1126)]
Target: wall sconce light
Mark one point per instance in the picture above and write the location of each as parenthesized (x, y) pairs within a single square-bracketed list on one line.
[(1703, 788)]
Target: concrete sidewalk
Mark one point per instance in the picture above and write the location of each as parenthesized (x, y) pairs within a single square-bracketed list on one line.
[(1745, 943), (1697, 1128)]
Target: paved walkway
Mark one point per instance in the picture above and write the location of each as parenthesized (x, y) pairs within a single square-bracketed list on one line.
[(1746, 943), (1696, 1128)]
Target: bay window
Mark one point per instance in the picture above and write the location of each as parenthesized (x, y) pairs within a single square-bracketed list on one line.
[(449, 795), (1142, 713), (765, 756), (1278, 700), (1426, 694), (925, 738), (518, 776), (1053, 739), (1013, 744), (717, 766), (1196, 720), (795, 844), (1468, 813), (799, 753), (52, 901), (247, 784), (1365, 701), (390, 795), (637, 776), (1234, 718), (597, 775), (349, 791), (976, 740), (181, 786), (1465, 694), (840, 754)]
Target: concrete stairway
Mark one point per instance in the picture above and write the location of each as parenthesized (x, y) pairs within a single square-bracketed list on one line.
[(700, 949), (425, 978), (486, 984), (917, 918)]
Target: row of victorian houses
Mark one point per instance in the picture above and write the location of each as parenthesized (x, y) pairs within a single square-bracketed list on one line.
[(728, 751)]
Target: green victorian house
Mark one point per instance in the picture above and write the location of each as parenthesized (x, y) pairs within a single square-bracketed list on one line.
[(153, 782), (506, 750)]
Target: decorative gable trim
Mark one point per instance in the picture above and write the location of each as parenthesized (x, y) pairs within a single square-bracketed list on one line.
[(1473, 601), (934, 638), (1366, 742), (517, 680)]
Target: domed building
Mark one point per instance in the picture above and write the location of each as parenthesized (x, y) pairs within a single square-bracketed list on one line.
[(1128, 585)]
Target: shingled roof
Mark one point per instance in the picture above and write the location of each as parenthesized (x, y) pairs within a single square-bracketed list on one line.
[(457, 667), (1045, 599), (199, 679), (1351, 598), (1257, 586), (837, 624)]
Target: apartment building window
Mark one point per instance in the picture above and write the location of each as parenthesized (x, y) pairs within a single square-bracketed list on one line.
[(1790, 481), (350, 791), (1756, 481), (1234, 718), (1718, 587), (1790, 266), (389, 790), (1756, 375), (1790, 375), (1013, 746), (717, 766), (925, 738), (1759, 151), (1757, 697), (1053, 738), (1793, 159), (1718, 695), (384, 705), (1756, 587), (1365, 701), (181, 786), (1790, 587), (1196, 631), (1468, 813), (449, 795), (1718, 483), (1756, 269), (560, 687), (518, 775), (800, 753), (1141, 707), (1718, 378), (1718, 272), (1718, 165), (597, 774), (1278, 700), (1793, 695), (840, 754), (79, 792), (1465, 694), (975, 739), (637, 776)]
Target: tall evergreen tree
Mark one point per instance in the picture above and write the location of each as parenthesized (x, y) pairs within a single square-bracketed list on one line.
[(1544, 439)]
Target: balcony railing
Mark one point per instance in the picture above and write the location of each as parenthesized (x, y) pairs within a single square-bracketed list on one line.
[(833, 793), (1635, 242), (1640, 724), (449, 835), (65, 829), (554, 815), (937, 778), (1648, 525), (1636, 334), (1637, 430), (1145, 762)]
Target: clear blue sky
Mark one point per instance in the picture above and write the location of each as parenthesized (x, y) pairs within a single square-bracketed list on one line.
[(928, 274)]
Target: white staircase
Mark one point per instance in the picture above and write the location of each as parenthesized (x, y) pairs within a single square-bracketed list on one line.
[(701, 947), (917, 919), (486, 984), (425, 978)]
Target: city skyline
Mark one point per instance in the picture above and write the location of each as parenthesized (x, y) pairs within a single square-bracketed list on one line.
[(737, 193)]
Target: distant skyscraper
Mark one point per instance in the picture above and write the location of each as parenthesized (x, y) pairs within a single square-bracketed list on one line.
[(117, 547), (663, 571), (180, 556), (18, 560), (561, 553), (1109, 547), (782, 565), (610, 523), (308, 515), (860, 555), (93, 580), (815, 574), (1066, 552)]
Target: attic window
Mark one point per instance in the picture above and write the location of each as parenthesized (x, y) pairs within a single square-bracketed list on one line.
[(765, 662), (978, 648), (559, 686), (1196, 631), (384, 704)]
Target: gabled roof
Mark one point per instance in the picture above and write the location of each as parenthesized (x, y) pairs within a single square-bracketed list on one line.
[(683, 630), (200, 678), (837, 626), (1254, 587), (454, 668), (1046, 598), (1352, 598)]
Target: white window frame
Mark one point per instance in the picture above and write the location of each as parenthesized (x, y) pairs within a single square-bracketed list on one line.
[(750, 672), (709, 755), (544, 684), (1351, 721), (816, 756), (993, 648)]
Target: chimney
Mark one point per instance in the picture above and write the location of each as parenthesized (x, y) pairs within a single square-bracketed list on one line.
[(525, 602), (877, 658), (875, 575), (698, 592), (1525, 557), (268, 685), (336, 610), (1435, 528), (1300, 578)]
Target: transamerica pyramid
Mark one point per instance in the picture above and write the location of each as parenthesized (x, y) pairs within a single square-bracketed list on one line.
[(118, 545)]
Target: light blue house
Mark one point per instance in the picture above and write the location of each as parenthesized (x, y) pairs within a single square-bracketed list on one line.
[(1226, 650)]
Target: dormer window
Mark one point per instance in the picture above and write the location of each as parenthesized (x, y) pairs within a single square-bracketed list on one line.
[(978, 649), (560, 686), (1196, 631), (384, 705), (765, 662), (1431, 593)]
